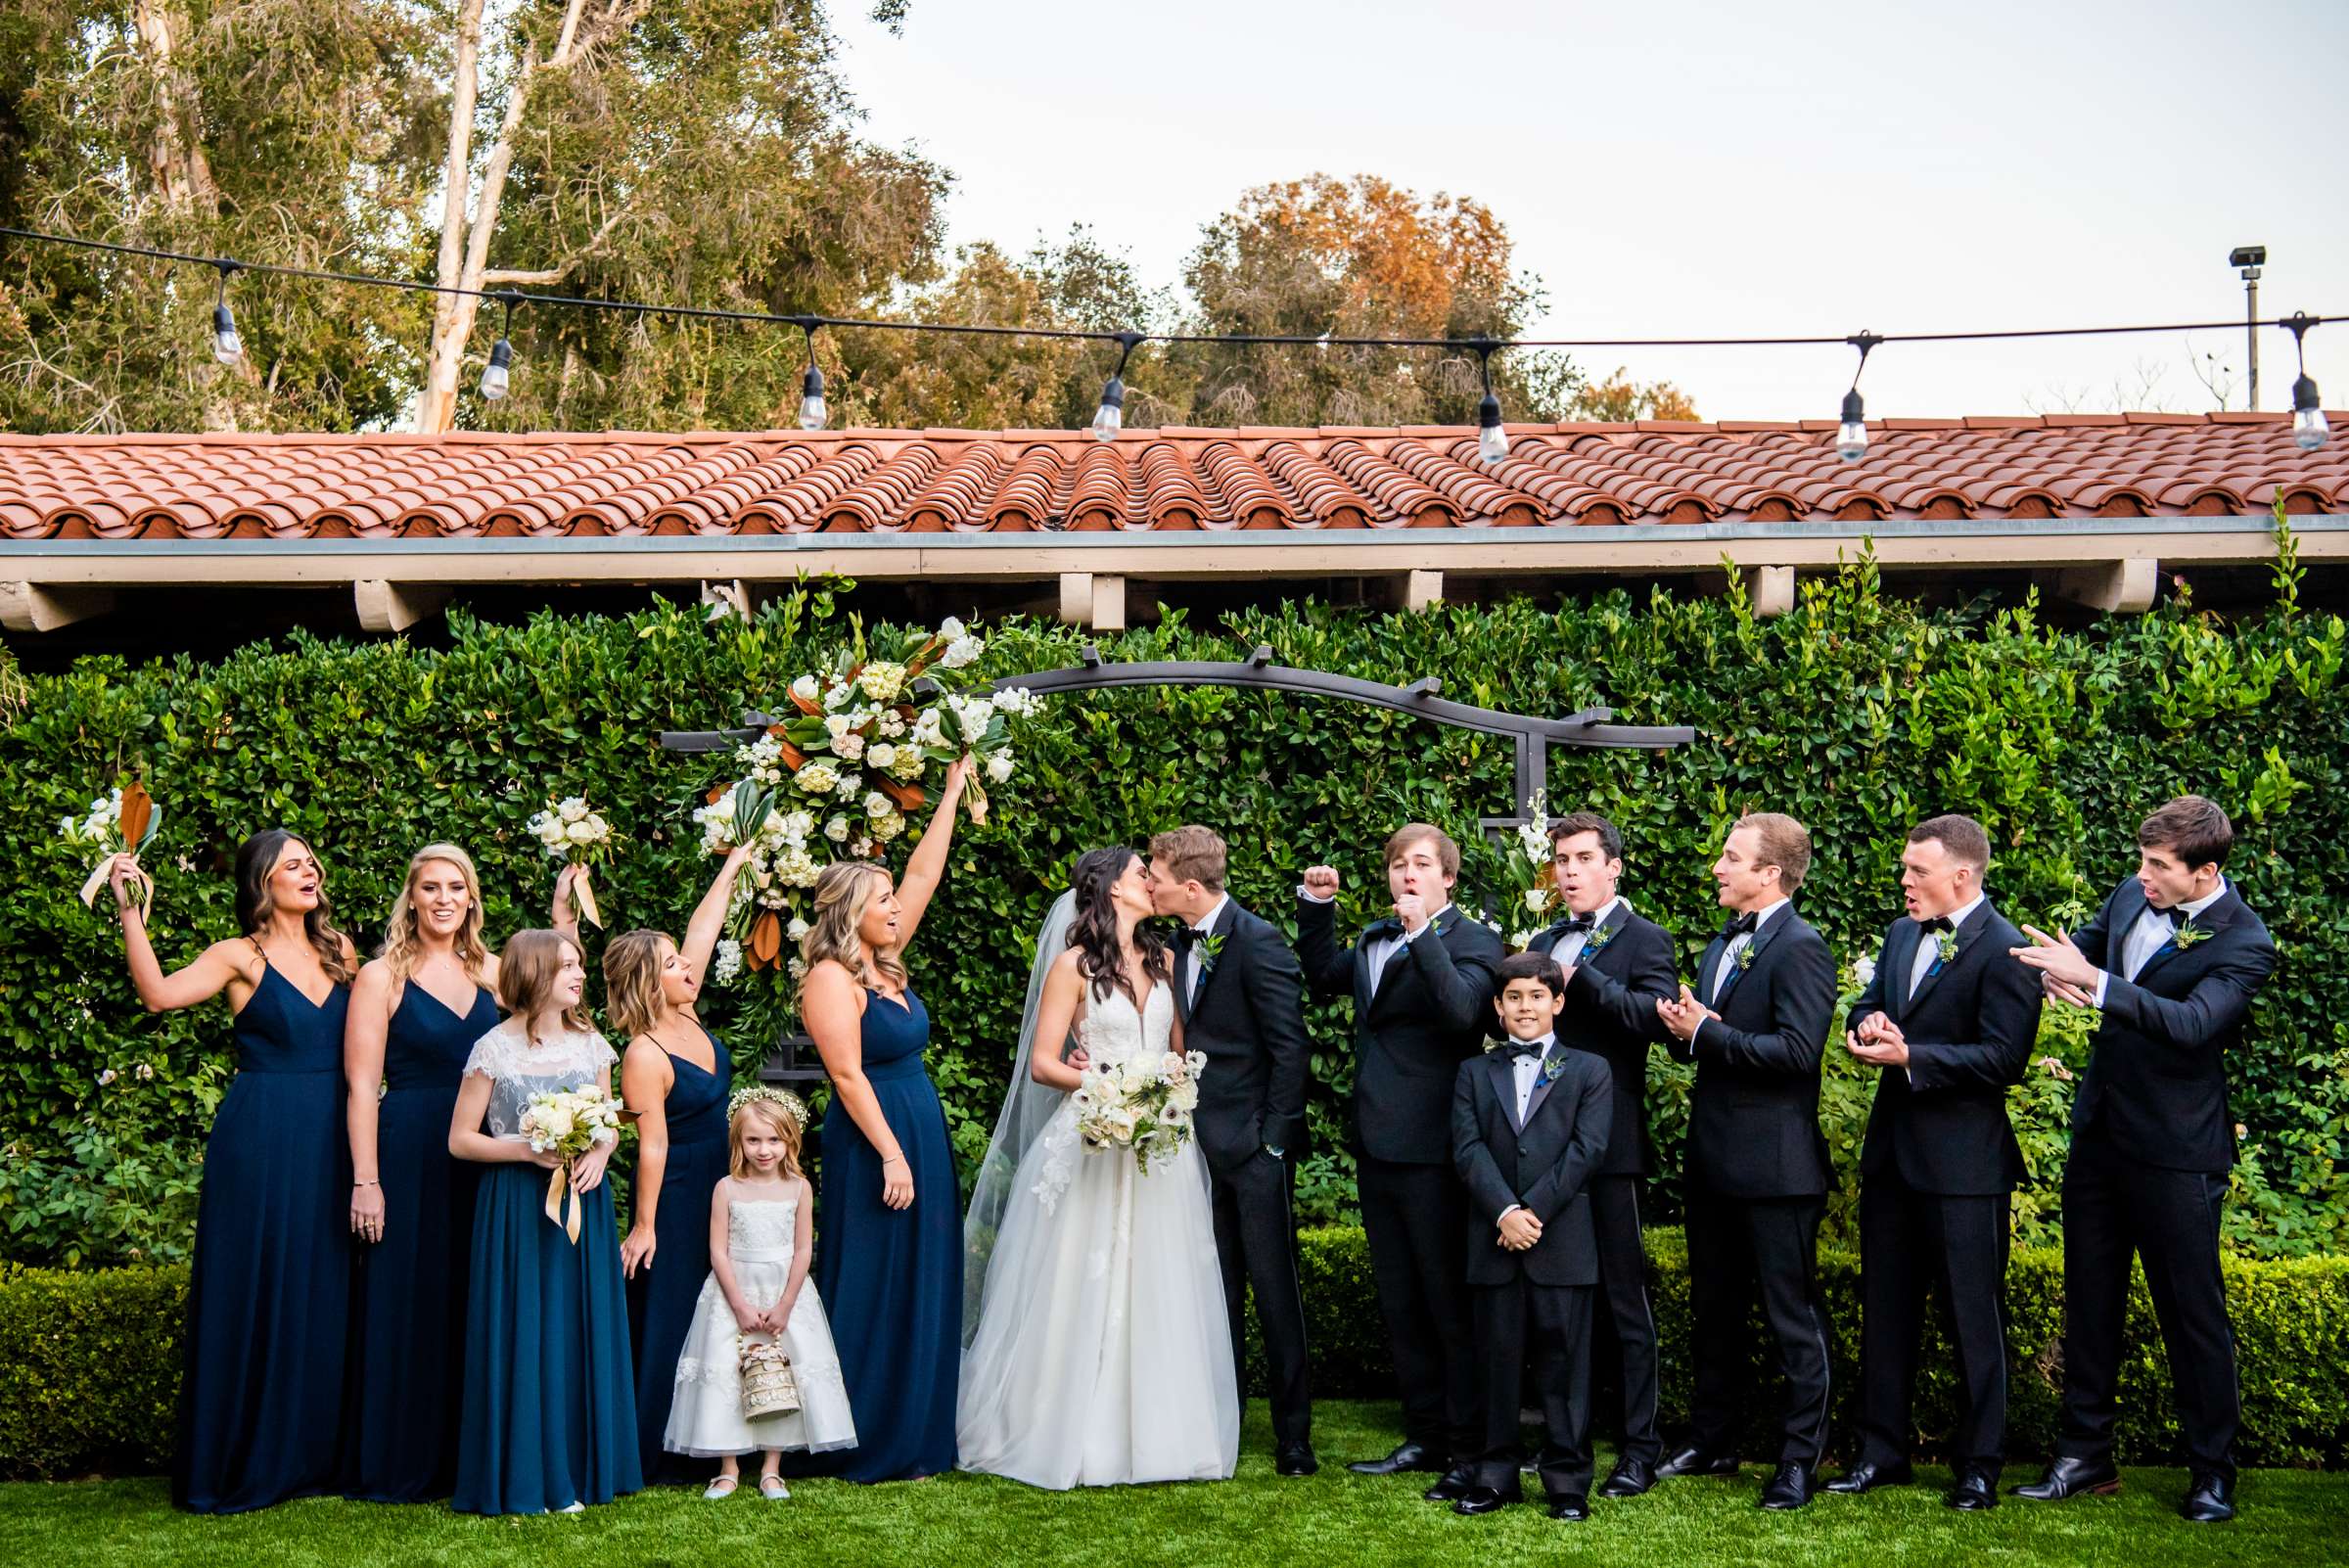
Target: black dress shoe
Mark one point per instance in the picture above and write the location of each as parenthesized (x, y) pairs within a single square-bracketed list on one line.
[(1629, 1479), (1451, 1486), (1696, 1461), (1406, 1456), (2068, 1478), (1569, 1505), (1865, 1477), (1298, 1461), (2209, 1501), (1790, 1488), (1974, 1493), (1487, 1499)]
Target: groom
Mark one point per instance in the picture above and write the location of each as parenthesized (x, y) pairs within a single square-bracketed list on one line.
[(1240, 994)]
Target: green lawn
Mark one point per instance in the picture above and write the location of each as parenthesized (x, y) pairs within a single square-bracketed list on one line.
[(1334, 1518)]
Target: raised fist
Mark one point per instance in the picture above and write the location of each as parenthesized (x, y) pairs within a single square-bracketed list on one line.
[(1322, 881)]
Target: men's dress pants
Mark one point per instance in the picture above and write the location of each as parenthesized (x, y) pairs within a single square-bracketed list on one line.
[(1736, 1247), (1550, 1326), (1256, 1242), (1911, 1243), (1415, 1224), (1622, 1285)]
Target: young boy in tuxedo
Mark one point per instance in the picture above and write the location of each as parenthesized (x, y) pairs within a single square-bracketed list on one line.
[(1529, 1122)]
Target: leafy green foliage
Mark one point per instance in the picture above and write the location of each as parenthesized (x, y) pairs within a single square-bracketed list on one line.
[(1859, 712)]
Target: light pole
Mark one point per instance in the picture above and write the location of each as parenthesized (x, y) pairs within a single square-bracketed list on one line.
[(2250, 258)]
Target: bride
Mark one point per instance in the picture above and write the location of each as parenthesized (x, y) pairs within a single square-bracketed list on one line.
[(1096, 1347)]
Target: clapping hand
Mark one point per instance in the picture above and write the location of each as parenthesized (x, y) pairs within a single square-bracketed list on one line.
[(1879, 1042), (1683, 1017), (1519, 1229)]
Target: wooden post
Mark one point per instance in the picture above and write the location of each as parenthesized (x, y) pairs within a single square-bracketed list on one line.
[(1770, 590), (2116, 587), (39, 607), (1421, 589), (386, 606)]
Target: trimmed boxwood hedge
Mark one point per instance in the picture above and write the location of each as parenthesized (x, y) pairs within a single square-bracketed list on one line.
[(89, 1361)]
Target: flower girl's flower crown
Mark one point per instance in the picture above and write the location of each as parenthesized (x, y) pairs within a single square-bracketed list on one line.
[(789, 1103)]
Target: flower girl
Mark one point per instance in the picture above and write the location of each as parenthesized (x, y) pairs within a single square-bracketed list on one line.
[(734, 1393), (549, 1419)]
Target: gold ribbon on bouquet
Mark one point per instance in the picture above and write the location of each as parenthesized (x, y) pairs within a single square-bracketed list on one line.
[(558, 1187), (582, 899)]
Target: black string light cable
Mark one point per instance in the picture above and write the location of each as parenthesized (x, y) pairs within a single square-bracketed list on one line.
[(2309, 426)]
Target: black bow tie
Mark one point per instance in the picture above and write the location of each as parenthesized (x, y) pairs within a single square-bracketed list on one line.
[(1528, 1047), (1185, 936), (1742, 926), (1567, 928), (1937, 923), (2174, 915)]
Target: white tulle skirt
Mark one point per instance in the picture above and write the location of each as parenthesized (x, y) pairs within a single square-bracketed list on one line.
[(1103, 1354)]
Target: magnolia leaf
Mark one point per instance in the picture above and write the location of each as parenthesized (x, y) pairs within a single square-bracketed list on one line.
[(137, 806), (766, 938)]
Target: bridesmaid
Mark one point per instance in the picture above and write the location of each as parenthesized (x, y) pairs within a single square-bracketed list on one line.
[(415, 1013), (549, 1413), (674, 1080), (260, 1401), (890, 1266)]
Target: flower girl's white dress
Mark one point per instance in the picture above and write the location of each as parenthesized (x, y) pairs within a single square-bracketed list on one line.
[(1103, 1353), (705, 1419)]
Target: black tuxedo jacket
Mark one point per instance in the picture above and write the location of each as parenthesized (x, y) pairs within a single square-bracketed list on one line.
[(1542, 1165), (1611, 1012), (1433, 1009), (1249, 1019), (2157, 1084), (1941, 1123), (1753, 1117)]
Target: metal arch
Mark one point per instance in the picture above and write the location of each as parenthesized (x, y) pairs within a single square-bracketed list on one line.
[(1534, 736)]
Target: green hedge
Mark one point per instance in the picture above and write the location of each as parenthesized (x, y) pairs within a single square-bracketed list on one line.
[(89, 1361), (1857, 712)]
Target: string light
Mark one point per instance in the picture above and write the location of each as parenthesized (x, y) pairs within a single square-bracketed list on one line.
[(1109, 417), (812, 413), (2309, 429), (497, 375), (227, 347), (1491, 442), (1851, 431)]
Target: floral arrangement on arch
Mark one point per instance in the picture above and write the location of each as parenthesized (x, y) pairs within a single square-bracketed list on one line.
[(1541, 894), (840, 776)]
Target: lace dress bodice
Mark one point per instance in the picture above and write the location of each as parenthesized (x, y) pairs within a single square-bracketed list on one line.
[(517, 1070), (761, 1229), (1112, 1031)]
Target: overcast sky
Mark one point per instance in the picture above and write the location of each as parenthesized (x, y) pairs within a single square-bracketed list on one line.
[(1705, 168)]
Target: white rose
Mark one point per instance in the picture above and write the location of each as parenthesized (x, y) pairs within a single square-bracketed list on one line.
[(572, 809), (876, 804), (803, 688), (797, 931), (962, 651), (1864, 970), (796, 826), (580, 833), (951, 629), (1537, 899), (882, 756), (837, 830), (998, 766)]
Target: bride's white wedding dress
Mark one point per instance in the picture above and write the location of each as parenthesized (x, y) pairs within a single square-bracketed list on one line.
[(1103, 1355)]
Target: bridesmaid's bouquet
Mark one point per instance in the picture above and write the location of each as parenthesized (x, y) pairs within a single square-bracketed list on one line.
[(566, 1124), (575, 833), (840, 774), (121, 823), (1143, 1104)]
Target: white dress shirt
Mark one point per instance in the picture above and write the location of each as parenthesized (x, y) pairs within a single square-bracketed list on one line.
[(1377, 953), (1569, 950), (1526, 1069), (2147, 935), (1928, 947), (1738, 943), (1192, 967)]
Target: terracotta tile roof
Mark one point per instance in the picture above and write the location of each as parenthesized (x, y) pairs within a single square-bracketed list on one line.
[(887, 481)]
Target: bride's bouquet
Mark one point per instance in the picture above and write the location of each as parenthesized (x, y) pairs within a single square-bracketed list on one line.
[(1143, 1103), (566, 1124)]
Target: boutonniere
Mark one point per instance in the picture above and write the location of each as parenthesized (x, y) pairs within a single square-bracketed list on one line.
[(1596, 942), (1552, 1065), (1209, 948), (1945, 943), (1745, 958), (2187, 935)]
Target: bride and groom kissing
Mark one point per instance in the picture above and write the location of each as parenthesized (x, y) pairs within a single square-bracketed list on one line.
[(1103, 1316)]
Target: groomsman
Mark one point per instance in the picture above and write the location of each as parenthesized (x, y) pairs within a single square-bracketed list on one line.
[(1949, 1017), (1529, 1124), (2173, 960), (1421, 981), (1618, 965), (1241, 999), (1756, 1174)]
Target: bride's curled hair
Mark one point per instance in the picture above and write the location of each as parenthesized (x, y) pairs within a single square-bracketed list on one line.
[(1093, 929)]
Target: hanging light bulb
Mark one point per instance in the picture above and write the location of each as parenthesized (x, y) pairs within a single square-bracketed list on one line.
[(2309, 429), (1851, 430), (1851, 435), (497, 376), (1491, 442), (1109, 417), (812, 413), (227, 347)]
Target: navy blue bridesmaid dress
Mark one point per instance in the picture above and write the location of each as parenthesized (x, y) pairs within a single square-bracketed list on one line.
[(260, 1401), (408, 1318), (549, 1410), (662, 1297), (891, 1278)]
